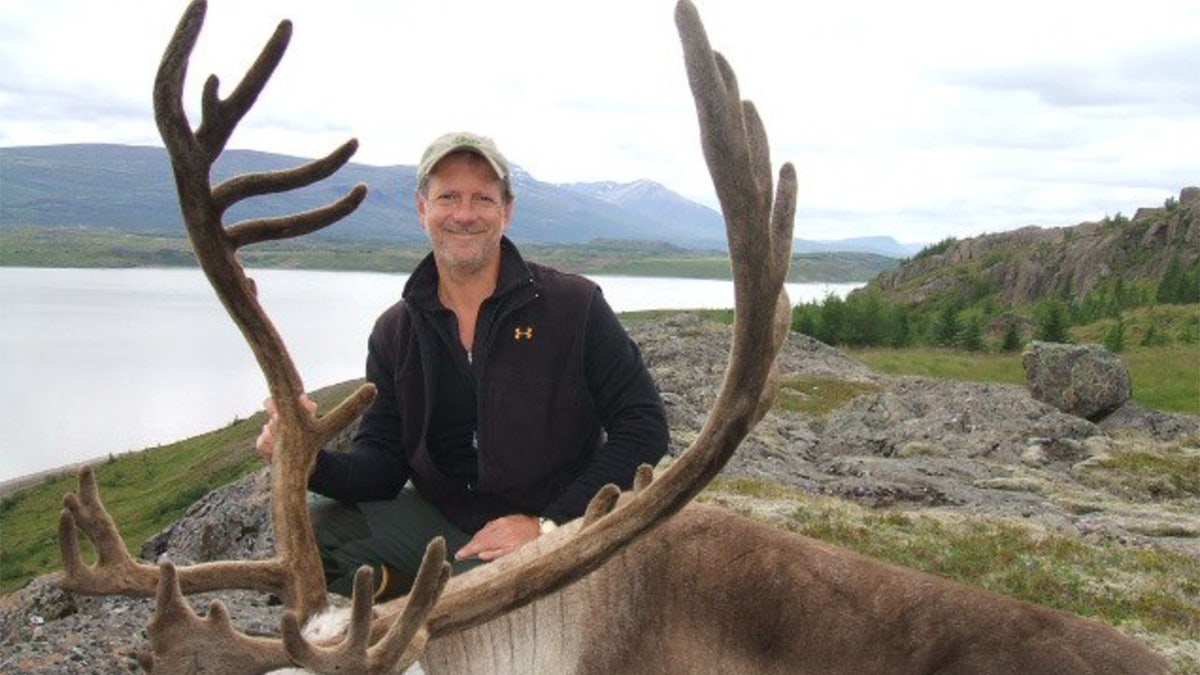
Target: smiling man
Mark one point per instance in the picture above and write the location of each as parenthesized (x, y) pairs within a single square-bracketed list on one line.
[(508, 394)]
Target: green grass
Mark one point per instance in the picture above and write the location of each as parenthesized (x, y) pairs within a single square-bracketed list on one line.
[(143, 491), (1164, 378), (818, 396), (1141, 475), (183, 472), (944, 363)]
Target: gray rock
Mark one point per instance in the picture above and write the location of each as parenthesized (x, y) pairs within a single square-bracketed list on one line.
[(229, 523), (1083, 380)]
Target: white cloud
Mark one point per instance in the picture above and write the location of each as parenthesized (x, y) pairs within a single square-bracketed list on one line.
[(920, 119)]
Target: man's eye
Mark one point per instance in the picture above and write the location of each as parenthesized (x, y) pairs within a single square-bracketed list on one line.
[(485, 201), (446, 200)]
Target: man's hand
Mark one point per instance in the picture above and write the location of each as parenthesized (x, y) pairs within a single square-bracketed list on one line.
[(266, 438), (500, 537)]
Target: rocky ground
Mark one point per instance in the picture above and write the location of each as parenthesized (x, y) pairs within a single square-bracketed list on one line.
[(898, 442), (911, 442)]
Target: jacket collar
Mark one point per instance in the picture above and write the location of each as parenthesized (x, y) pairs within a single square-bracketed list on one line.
[(421, 288)]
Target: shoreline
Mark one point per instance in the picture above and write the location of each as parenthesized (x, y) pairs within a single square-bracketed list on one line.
[(11, 486)]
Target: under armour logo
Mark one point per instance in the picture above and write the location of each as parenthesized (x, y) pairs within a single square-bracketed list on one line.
[(525, 333)]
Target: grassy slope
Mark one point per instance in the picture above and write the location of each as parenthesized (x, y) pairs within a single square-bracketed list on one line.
[(184, 472)]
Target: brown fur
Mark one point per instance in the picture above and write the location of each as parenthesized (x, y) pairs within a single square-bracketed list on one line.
[(713, 592)]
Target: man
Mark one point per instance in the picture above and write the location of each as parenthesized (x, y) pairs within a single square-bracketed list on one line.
[(508, 393)]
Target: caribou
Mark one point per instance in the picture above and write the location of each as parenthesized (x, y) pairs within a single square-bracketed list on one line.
[(645, 581)]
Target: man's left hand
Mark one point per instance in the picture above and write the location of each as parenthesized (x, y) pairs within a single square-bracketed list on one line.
[(500, 537)]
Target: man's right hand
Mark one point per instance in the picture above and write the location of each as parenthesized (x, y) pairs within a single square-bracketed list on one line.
[(266, 438)]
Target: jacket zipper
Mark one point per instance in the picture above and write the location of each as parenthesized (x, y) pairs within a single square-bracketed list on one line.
[(494, 330)]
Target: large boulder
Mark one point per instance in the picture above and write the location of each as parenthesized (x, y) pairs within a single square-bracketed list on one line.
[(1088, 381), (232, 522)]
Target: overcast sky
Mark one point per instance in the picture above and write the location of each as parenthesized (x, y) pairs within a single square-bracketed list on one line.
[(918, 119)]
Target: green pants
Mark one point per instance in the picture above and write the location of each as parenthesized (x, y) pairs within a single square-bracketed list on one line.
[(392, 533)]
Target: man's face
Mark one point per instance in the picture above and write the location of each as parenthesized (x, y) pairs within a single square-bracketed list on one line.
[(464, 213)]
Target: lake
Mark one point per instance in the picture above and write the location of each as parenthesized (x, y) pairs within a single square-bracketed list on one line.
[(103, 361)]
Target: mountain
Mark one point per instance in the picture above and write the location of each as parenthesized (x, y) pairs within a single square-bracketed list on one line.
[(666, 211), (131, 188), (1114, 256)]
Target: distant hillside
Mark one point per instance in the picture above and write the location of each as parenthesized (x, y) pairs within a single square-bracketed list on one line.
[(130, 188), (1067, 263), (655, 202), (995, 292)]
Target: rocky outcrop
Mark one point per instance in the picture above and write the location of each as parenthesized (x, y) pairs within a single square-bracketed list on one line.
[(1083, 380), (231, 523), (1032, 263)]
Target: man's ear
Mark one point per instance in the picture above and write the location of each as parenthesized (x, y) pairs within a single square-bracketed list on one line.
[(422, 206), (508, 212)]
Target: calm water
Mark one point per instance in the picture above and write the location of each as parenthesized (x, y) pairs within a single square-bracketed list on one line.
[(94, 362)]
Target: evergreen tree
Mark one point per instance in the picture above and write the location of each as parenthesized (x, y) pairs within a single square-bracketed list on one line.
[(1011, 341), (1052, 323), (831, 327), (946, 327), (1171, 288), (971, 336), (900, 329), (869, 324), (1114, 340), (865, 319), (804, 319), (1120, 297), (1189, 292)]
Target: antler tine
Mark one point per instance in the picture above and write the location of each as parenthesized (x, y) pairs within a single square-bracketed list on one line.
[(296, 225), (178, 634), (220, 118), (252, 185), (405, 637), (168, 85), (759, 226), (116, 572)]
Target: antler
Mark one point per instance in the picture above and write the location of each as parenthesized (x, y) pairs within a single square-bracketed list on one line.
[(295, 573), (301, 435), (759, 229)]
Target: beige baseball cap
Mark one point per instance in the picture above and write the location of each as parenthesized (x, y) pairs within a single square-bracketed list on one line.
[(460, 141)]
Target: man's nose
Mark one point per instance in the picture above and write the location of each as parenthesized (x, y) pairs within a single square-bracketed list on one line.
[(463, 211)]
